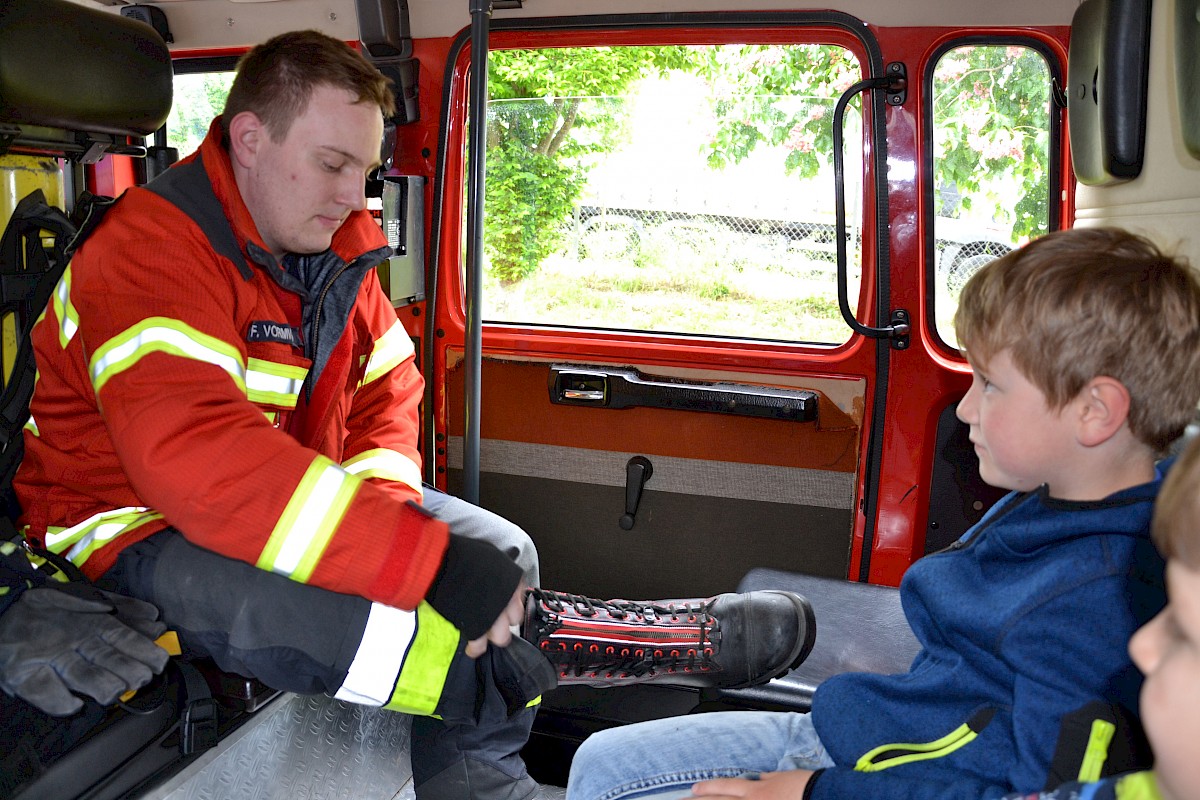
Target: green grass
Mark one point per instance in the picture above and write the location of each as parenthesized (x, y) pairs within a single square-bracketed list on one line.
[(673, 284)]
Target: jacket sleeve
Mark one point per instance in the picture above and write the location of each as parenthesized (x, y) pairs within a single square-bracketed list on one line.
[(168, 368), (382, 429), (1060, 667)]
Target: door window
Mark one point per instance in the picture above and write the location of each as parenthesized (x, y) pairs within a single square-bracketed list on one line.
[(680, 189), (991, 162)]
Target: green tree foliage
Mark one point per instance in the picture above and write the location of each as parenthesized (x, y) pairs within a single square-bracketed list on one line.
[(780, 95), (198, 98), (550, 111), (991, 112), (554, 111)]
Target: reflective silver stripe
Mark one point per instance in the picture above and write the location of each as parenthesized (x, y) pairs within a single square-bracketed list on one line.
[(31, 426), (163, 335), (386, 464), (309, 520), (389, 351), (68, 317), (272, 383), (380, 656)]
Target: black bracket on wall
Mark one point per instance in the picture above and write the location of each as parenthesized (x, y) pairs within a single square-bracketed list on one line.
[(637, 471)]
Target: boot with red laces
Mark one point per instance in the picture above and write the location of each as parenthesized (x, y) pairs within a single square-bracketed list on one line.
[(730, 641)]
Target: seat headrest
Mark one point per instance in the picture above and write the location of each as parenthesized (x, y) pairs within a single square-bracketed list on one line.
[(66, 66)]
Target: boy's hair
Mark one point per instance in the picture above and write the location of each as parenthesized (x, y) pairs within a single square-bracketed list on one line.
[(276, 79), (1177, 510), (1081, 303)]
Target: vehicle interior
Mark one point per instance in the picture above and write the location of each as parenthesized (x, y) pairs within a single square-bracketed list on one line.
[(681, 278)]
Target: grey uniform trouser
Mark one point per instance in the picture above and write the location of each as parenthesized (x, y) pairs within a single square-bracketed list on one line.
[(303, 639)]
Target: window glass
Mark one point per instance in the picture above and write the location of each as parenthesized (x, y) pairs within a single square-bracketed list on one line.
[(199, 97), (991, 162), (683, 189)]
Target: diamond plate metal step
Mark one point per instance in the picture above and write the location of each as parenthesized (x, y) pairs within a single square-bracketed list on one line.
[(307, 748)]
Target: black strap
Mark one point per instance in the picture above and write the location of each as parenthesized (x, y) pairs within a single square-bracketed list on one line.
[(35, 249)]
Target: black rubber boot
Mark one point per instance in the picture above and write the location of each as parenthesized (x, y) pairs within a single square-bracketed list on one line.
[(729, 641)]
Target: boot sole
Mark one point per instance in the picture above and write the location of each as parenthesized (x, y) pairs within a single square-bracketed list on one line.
[(803, 648)]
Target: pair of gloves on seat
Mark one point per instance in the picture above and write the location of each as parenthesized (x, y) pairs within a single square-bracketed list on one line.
[(61, 640)]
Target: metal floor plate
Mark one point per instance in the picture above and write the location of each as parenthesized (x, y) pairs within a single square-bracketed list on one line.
[(307, 748)]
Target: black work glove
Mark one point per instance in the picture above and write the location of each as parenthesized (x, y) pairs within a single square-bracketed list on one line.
[(473, 586), (55, 642)]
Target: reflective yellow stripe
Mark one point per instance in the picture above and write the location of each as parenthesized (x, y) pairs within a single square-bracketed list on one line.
[(68, 317), (426, 664), (386, 464), (893, 755), (389, 351), (309, 520), (162, 335), (1097, 750), (96, 531), (274, 384)]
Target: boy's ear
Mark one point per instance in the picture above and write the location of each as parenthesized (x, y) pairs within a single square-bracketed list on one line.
[(1103, 409), (246, 133)]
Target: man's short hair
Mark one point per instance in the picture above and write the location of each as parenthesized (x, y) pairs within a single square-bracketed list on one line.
[(1176, 526), (1081, 303), (276, 79)]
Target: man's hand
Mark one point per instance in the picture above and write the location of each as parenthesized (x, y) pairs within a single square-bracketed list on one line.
[(500, 634), (769, 786), (53, 643)]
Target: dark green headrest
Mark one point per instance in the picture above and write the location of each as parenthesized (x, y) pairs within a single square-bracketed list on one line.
[(66, 66)]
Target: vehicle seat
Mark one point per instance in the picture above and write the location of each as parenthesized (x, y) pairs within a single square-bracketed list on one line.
[(860, 628), (78, 84)]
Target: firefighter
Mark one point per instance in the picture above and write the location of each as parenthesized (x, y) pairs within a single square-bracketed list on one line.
[(225, 425)]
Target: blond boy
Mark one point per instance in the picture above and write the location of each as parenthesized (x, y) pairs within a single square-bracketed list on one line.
[(1085, 346)]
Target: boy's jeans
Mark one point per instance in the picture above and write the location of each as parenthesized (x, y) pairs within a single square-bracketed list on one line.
[(663, 758)]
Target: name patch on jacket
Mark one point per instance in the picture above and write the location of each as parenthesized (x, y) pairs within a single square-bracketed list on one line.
[(265, 331)]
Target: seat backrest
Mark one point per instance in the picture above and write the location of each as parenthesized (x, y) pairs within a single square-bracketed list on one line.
[(860, 628), (77, 81)]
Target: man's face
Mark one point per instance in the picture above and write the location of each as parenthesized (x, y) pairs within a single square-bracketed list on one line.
[(1020, 441), (1167, 650), (300, 190)]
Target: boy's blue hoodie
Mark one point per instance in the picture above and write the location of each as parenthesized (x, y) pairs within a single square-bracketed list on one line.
[(1024, 619)]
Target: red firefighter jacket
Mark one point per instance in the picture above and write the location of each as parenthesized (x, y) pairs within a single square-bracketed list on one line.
[(187, 379)]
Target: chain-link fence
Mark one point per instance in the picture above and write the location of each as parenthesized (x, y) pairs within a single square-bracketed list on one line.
[(609, 233), (624, 233)]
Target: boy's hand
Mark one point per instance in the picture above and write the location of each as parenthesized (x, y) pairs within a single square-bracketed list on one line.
[(500, 634), (769, 786)]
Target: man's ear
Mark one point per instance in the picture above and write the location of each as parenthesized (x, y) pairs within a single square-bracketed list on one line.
[(246, 134), (1103, 409)]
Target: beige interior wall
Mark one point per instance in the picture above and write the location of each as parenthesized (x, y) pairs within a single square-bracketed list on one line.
[(1164, 201), (234, 23)]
